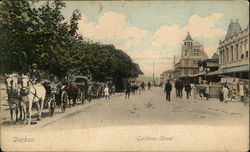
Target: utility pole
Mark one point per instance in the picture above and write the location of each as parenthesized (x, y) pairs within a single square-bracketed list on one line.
[(154, 72)]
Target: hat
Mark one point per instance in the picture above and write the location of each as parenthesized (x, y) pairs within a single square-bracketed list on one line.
[(34, 65)]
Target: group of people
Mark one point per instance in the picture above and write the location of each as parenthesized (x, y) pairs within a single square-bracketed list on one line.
[(180, 85), (203, 90), (134, 88)]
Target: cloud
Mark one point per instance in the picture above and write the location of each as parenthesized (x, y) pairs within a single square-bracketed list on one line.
[(112, 28), (197, 26), (211, 50)]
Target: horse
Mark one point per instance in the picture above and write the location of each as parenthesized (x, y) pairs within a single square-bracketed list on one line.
[(134, 89), (31, 94), (72, 91), (14, 99)]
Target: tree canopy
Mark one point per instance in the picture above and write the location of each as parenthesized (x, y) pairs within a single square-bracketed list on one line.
[(42, 35)]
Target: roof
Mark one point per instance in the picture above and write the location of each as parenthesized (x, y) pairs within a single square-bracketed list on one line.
[(168, 71), (188, 37), (215, 56), (233, 28)]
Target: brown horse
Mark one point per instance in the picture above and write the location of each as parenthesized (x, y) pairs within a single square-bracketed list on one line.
[(72, 91)]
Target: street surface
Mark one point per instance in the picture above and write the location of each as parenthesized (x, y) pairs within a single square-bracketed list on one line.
[(139, 121)]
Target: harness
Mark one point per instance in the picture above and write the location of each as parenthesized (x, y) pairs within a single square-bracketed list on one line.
[(35, 94), (26, 91)]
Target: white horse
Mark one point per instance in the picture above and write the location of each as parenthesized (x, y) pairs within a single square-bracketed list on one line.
[(14, 99), (32, 94)]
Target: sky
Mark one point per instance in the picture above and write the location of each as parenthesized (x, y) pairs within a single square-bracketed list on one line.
[(153, 31)]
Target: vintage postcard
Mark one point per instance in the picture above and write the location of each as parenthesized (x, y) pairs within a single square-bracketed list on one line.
[(124, 75)]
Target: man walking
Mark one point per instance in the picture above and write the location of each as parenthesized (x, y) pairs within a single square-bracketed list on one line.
[(188, 89), (180, 88), (149, 84), (127, 90), (168, 88), (177, 88)]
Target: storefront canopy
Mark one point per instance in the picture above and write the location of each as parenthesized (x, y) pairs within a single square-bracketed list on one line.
[(243, 68)]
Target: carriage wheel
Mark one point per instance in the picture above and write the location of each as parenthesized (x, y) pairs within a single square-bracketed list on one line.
[(51, 106), (64, 100)]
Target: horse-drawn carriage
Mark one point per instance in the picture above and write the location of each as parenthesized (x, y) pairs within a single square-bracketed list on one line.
[(78, 89), (23, 94), (56, 96)]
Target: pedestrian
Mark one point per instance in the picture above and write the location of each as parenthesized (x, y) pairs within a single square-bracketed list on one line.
[(143, 86), (188, 89), (177, 88), (106, 92), (167, 90), (207, 91), (149, 85), (195, 91), (180, 88), (225, 92), (139, 89), (127, 90), (220, 95)]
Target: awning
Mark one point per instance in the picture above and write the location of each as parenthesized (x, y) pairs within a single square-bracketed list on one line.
[(243, 68), (201, 73), (215, 73)]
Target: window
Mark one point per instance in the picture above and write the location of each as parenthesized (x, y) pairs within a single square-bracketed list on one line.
[(194, 62), (196, 52), (246, 54)]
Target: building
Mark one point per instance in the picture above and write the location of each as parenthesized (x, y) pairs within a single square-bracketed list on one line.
[(234, 52), (208, 66), (167, 75), (191, 52)]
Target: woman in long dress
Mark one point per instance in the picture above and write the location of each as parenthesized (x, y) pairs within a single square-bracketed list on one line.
[(225, 92)]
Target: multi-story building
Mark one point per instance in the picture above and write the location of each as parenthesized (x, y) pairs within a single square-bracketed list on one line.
[(167, 75), (208, 66), (234, 51), (191, 52)]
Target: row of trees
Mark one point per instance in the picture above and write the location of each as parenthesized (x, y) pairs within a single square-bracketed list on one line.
[(41, 35)]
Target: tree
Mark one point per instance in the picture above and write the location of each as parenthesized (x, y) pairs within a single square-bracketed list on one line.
[(43, 36)]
